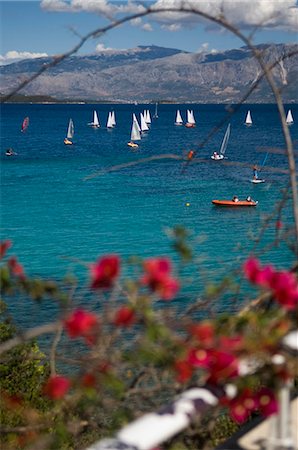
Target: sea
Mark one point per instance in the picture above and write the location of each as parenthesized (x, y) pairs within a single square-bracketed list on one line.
[(60, 217)]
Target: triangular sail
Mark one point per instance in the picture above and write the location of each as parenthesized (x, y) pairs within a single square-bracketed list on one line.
[(190, 117), (95, 119), (147, 117), (248, 119), (25, 124), (225, 140), (179, 119), (155, 114), (289, 118), (144, 126), (113, 119), (134, 118), (70, 130), (110, 121), (135, 134)]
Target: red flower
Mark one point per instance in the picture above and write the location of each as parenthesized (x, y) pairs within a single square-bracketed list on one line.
[(285, 288), (220, 365), (105, 272), (184, 370), (199, 358), (242, 406), (278, 224), (204, 332), (267, 402), (4, 246), (251, 269), (16, 268), (158, 278), (125, 316), (82, 323), (56, 387), (234, 343), (88, 380)]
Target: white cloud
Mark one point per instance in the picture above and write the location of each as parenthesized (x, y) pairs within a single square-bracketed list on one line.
[(266, 13), (172, 27), (147, 27), (103, 7), (14, 55), (102, 48)]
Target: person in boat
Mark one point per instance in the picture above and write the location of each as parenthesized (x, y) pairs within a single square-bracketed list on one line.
[(190, 154), (215, 155), (10, 152), (255, 172), (235, 199), (249, 199)]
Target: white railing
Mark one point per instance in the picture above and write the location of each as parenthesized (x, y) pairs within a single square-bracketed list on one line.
[(155, 428)]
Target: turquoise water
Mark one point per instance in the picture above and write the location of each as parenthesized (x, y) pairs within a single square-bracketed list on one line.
[(52, 214)]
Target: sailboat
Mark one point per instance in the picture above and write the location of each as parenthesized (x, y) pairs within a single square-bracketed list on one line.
[(95, 123), (113, 119), (224, 144), (70, 133), (135, 134), (248, 120), (144, 126), (289, 118), (178, 120), (110, 120), (147, 116), (190, 121), (155, 114), (25, 124)]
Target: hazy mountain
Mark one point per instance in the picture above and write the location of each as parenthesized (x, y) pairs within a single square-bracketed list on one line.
[(158, 73)]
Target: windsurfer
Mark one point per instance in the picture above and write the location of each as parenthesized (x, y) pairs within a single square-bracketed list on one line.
[(190, 155), (255, 172)]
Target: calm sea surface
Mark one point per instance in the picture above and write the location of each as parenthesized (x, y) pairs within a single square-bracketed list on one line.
[(53, 215)]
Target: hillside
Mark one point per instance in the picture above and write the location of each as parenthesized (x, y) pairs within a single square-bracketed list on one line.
[(158, 73)]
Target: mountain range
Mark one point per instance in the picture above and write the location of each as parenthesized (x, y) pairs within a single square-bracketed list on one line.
[(152, 73)]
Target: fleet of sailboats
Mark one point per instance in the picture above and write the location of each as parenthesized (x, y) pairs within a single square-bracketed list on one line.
[(70, 133), (289, 118), (248, 119)]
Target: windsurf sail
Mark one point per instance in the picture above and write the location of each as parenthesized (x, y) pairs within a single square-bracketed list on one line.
[(25, 124)]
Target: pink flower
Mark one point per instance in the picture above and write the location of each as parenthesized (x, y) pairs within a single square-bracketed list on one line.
[(242, 406), (4, 246), (105, 272), (251, 269), (267, 402), (56, 387), (158, 278), (220, 365), (82, 324), (125, 316), (285, 288), (199, 358)]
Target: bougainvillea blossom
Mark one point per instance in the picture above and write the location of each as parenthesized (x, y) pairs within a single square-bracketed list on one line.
[(4, 246), (15, 267), (242, 406), (82, 324), (124, 316), (56, 387), (105, 272), (158, 278)]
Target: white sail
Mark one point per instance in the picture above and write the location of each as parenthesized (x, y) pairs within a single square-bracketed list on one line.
[(147, 117), (144, 126), (248, 119), (190, 117), (95, 122), (134, 118), (110, 121), (113, 119), (70, 130), (178, 120), (225, 140), (289, 118), (155, 114), (135, 134)]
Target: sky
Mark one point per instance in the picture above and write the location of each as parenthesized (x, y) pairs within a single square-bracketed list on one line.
[(31, 29)]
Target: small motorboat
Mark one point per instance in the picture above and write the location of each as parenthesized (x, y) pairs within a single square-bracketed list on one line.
[(234, 203)]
